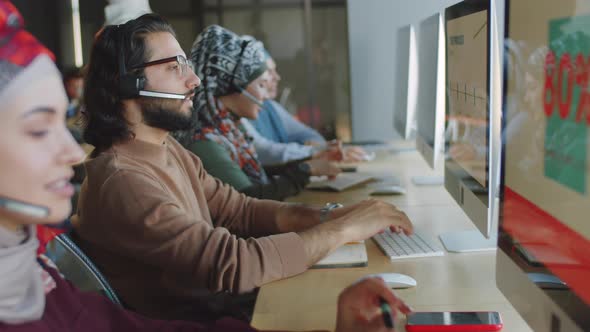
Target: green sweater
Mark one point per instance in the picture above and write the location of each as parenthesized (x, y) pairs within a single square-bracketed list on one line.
[(218, 163), (284, 181)]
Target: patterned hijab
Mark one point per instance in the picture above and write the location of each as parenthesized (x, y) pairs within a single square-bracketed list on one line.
[(226, 63), (22, 281)]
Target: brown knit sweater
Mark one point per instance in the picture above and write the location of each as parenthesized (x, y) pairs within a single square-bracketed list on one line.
[(167, 235)]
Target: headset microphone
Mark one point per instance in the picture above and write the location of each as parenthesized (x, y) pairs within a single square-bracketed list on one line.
[(28, 209), (156, 94), (251, 97), (131, 85), (233, 77)]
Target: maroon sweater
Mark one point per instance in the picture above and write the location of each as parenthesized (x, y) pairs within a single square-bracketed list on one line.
[(68, 309)]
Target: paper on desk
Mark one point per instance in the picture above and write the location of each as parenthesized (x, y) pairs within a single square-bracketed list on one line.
[(342, 182), (316, 178), (348, 255)]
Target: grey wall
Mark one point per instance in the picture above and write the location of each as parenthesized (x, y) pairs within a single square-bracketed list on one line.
[(42, 20), (372, 31)]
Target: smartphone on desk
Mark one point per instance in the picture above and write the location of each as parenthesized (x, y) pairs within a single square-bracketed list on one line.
[(454, 321)]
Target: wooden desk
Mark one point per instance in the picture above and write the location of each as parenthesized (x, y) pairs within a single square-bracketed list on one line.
[(460, 282), (403, 166)]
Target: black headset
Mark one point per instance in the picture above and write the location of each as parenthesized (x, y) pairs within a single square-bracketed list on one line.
[(243, 46), (130, 84)]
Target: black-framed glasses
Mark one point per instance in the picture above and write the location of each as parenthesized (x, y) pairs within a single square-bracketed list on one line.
[(184, 65)]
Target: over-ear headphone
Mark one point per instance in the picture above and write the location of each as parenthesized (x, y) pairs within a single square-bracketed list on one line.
[(130, 84)]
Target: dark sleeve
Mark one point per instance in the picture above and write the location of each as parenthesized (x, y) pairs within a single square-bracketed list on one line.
[(109, 317), (68, 307), (278, 169), (218, 163), (284, 181)]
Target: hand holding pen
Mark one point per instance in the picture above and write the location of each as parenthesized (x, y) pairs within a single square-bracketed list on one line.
[(333, 151), (368, 305)]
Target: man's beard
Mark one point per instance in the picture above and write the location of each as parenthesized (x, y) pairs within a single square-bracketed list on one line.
[(164, 114)]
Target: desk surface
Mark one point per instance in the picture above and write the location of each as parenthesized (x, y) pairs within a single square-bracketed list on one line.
[(454, 282)]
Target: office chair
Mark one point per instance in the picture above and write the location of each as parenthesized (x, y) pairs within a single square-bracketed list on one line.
[(78, 268)]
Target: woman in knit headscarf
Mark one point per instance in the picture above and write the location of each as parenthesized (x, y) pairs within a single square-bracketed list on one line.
[(233, 85)]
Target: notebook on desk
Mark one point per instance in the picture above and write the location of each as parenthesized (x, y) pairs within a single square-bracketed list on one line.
[(348, 255), (342, 182)]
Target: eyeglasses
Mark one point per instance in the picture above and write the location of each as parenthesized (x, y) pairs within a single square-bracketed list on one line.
[(182, 69)]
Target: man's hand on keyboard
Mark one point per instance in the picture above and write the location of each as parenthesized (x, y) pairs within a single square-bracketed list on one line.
[(356, 222), (369, 217)]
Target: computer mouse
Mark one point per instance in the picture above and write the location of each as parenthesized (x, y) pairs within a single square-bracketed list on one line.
[(396, 280), (389, 190), (369, 156)]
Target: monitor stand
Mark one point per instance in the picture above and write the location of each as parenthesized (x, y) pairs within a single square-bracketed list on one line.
[(468, 241), (428, 180)]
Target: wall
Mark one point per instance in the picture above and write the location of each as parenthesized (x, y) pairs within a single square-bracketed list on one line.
[(282, 27), (42, 19), (372, 31)]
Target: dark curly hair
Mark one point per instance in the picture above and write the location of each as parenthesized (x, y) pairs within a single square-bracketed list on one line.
[(105, 123)]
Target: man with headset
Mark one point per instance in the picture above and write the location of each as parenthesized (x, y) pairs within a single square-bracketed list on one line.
[(175, 242)]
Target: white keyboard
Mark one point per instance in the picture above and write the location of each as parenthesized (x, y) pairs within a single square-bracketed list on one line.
[(385, 180), (399, 246), (342, 182), (428, 180)]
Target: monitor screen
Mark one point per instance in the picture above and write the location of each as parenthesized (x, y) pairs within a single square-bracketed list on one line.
[(467, 90), (544, 224), (430, 96), (468, 111), (401, 114)]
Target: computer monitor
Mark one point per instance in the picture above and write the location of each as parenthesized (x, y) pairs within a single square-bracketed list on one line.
[(430, 98), (405, 83), (473, 120), (543, 265)]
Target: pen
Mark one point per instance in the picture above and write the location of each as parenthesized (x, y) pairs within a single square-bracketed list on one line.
[(386, 312)]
